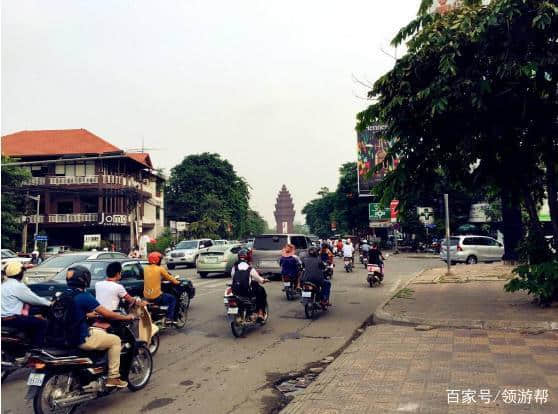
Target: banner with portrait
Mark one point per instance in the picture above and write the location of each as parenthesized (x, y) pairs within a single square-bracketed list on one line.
[(372, 148)]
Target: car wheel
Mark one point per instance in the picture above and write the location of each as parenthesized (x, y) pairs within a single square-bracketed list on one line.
[(170, 266), (203, 275), (472, 260)]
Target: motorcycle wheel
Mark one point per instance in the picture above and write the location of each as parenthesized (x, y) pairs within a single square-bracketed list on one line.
[(5, 370), (264, 320), (370, 282), (310, 310), (141, 368), (185, 299), (289, 295), (182, 311), (54, 385), (237, 329), (154, 344)]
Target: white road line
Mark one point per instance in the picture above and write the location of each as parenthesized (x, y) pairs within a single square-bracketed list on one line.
[(395, 286)]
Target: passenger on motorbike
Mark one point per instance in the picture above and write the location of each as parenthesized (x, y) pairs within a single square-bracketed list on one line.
[(84, 304), (246, 275), (314, 273), (153, 275), (365, 247), (109, 292), (376, 257), (290, 264), (325, 254), (348, 250), (15, 294)]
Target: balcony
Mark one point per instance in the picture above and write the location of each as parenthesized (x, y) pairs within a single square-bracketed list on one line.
[(73, 218), (70, 180), (119, 180)]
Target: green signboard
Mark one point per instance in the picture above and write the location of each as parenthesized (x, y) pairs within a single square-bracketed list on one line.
[(375, 213)]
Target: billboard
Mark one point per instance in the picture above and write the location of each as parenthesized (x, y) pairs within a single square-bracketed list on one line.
[(372, 149), (444, 6)]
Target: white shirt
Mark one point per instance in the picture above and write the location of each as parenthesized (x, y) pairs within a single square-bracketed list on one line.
[(253, 273), (109, 293), (15, 294), (348, 250)]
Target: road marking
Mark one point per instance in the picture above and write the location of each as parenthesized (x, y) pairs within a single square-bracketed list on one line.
[(395, 286)]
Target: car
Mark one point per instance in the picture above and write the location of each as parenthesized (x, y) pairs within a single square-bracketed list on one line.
[(266, 250), (472, 249), (10, 256), (186, 252), (55, 264), (54, 250), (132, 278), (217, 259), (220, 242)]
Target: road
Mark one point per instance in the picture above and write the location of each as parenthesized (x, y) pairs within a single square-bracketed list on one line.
[(203, 368)]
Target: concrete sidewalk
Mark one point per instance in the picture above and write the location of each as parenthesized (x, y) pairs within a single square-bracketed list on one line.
[(393, 369)]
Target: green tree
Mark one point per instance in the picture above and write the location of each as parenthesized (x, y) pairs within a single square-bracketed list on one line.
[(13, 203), (255, 224)]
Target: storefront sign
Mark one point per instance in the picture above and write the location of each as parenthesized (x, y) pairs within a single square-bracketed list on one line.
[(426, 215), (379, 224), (376, 213), (113, 219), (478, 212), (393, 210), (180, 226), (91, 241)]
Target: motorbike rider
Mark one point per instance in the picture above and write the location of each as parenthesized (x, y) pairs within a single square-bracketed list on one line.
[(376, 257), (290, 264), (152, 276), (15, 294), (348, 250), (339, 245), (84, 304), (243, 272), (109, 292), (326, 255), (314, 273), (365, 247), (35, 258)]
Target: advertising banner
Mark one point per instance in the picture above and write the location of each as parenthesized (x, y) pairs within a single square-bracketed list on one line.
[(393, 210), (91, 241), (180, 226), (376, 213), (426, 215), (372, 149)]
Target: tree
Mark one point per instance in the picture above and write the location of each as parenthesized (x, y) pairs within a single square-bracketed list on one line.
[(255, 224), (475, 97), (205, 191), (13, 203)]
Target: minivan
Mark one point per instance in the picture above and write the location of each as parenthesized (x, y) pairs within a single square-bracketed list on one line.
[(472, 249), (267, 248)]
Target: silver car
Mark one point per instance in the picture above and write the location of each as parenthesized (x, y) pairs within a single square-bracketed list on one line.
[(266, 251), (472, 249), (186, 252)]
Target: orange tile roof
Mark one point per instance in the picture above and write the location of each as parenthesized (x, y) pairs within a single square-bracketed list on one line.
[(141, 157), (55, 142)]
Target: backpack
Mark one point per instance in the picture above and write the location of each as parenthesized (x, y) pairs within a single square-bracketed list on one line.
[(63, 331), (241, 282)]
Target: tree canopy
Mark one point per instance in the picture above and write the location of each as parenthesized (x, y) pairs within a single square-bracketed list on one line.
[(13, 203)]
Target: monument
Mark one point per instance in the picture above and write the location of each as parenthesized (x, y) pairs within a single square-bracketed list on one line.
[(284, 211)]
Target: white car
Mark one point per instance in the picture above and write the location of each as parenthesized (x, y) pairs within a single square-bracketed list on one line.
[(472, 249), (9, 256), (186, 252)]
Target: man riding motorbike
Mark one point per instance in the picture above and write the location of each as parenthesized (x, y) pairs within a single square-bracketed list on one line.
[(376, 257), (325, 254), (314, 273), (78, 279), (243, 274), (364, 247), (348, 250), (290, 265), (153, 275), (109, 292), (15, 294)]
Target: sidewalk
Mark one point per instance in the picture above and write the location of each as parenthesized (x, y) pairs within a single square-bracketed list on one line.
[(454, 368)]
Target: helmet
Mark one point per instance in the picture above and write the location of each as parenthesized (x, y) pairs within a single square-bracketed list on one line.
[(313, 252), (243, 254), (14, 269), (34, 253), (155, 258), (365, 241), (79, 277)]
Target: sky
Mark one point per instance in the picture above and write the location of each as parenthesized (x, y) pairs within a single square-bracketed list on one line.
[(269, 85)]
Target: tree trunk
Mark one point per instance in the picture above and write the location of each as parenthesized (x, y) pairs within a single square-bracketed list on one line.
[(511, 217), (552, 189), (531, 206)]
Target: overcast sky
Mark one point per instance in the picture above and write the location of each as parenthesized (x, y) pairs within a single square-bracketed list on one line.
[(266, 84)]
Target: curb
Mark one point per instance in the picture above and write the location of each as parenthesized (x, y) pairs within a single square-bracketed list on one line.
[(383, 316)]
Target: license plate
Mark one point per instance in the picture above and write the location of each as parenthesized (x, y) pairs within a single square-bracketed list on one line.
[(211, 260), (35, 379), (306, 294), (287, 284), (232, 311)]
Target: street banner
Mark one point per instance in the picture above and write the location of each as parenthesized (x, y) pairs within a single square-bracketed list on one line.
[(426, 215), (393, 210), (376, 213), (180, 226), (91, 241), (372, 149), (444, 6), (478, 211)]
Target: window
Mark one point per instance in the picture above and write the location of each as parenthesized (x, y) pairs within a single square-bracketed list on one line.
[(80, 169), (65, 207), (158, 213), (270, 242), (469, 241), (59, 169), (90, 168), (235, 250), (131, 271), (70, 169), (299, 242)]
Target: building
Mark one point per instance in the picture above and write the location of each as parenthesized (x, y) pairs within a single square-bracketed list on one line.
[(284, 212), (87, 187)]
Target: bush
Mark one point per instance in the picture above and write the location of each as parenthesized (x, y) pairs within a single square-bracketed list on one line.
[(539, 280), (163, 241)]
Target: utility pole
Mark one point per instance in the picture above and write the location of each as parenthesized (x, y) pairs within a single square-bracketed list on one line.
[(38, 200), (446, 207)]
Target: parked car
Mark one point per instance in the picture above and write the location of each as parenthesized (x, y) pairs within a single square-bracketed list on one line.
[(266, 251), (10, 256), (186, 252), (472, 249), (220, 242), (55, 264), (132, 277), (54, 250), (217, 259)]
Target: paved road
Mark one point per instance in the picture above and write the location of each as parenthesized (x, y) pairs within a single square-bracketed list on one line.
[(205, 369)]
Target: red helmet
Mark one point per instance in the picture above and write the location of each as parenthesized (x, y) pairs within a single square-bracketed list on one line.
[(155, 258)]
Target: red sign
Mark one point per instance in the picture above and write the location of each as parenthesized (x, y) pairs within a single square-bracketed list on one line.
[(393, 210)]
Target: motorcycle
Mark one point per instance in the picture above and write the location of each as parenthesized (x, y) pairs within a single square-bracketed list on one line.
[(159, 312), (312, 300), (375, 275), (289, 287), (360, 257), (241, 312), (365, 261), (328, 270), (62, 379), (348, 264)]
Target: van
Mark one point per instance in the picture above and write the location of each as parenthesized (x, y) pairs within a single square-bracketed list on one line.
[(471, 249), (267, 248)]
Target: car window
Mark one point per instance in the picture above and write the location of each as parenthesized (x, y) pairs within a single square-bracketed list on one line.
[(208, 243), (104, 256), (492, 242), (469, 241), (299, 242), (64, 261), (130, 271), (98, 270), (187, 245), (235, 250), (270, 242)]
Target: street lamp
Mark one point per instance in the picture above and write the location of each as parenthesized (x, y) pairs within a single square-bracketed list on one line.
[(38, 200)]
